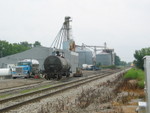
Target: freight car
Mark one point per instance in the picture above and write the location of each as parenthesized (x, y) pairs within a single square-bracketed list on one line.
[(56, 67)]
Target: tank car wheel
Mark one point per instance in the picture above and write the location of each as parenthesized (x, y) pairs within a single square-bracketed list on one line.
[(59, 77), (68, 75), (49, 78), (46, 77)]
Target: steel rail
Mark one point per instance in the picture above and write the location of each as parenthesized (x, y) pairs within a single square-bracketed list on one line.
[(21, 86)]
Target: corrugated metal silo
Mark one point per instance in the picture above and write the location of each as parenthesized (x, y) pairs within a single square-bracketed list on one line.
[(85, 56), (104, 59)]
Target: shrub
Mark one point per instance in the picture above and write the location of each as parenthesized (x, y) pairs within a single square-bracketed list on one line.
[(136, 74), (141, 84)]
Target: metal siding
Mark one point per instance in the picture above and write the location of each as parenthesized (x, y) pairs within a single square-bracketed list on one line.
[(104, 59), (38, 53), (72, 58), (147, 81), (85, 57)]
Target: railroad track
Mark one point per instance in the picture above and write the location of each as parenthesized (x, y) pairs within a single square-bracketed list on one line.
[(10, 103), (17, 89), (8, 88)]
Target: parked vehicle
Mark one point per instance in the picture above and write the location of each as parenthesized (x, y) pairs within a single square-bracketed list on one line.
[(90, 67), (25, 68)]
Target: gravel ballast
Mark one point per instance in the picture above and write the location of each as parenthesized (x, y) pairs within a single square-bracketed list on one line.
[(69, 95)]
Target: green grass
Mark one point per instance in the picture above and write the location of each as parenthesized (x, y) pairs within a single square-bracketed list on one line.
[(25, 91), (137, 74), (108, 67), (4, 96), (34, 89)]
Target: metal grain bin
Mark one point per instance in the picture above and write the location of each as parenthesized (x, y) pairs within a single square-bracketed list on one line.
[(85, 56), (104, 59)]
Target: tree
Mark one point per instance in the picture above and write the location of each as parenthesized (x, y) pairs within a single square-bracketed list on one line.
[(117, 60), (36, 43), (26, 44), (3, 45), (9, 49), (138, 55), (123, 63)]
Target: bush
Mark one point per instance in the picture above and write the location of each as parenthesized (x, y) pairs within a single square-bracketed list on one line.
[(109, 67), (136, 74), (141, 84)]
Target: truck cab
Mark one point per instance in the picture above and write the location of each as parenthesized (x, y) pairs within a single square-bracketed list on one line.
[(25, 68)]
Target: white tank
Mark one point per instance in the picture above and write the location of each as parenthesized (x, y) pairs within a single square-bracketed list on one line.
[(84, 66), (30, 60), (5, 71)]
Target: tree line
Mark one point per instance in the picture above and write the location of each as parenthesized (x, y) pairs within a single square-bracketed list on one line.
[(7, 48), (139, 55)]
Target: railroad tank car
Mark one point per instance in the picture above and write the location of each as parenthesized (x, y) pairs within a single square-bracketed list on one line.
[(56, 67)]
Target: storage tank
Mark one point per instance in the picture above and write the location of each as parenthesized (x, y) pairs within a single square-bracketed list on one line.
[(5, 73), (33, 61), (104, 59), (85, 56), (56, 64), (56, 67)]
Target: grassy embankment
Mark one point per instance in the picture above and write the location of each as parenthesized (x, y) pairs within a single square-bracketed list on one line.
[(136, 74)]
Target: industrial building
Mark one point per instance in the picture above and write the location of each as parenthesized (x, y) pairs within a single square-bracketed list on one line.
[(88, 54), (38, 53)]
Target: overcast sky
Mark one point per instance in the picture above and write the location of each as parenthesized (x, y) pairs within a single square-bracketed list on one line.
[(123, 24)]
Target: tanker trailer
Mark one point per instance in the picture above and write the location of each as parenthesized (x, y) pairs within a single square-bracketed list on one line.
[(5, 73), (56, 67)]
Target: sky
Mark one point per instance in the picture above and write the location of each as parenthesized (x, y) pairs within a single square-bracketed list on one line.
[(123, 24)]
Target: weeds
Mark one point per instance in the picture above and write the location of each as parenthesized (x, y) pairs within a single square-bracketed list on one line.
[(136, 74)]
